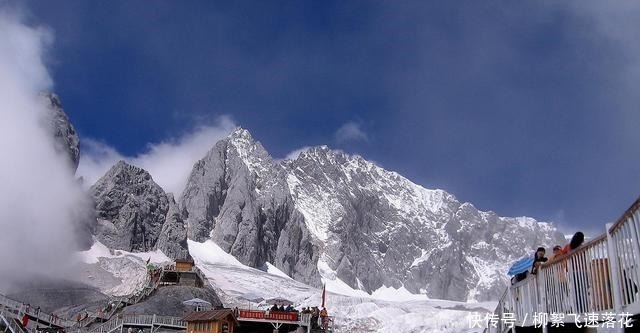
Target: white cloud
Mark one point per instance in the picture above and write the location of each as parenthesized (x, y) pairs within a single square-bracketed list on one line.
[(39, 198), (294, 154), (351, 131), (169, 162)]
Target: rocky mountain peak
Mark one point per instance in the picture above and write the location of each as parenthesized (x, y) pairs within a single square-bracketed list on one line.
[(135, 214), (66, 139), (240, 133), (123, 173), (365, 225)]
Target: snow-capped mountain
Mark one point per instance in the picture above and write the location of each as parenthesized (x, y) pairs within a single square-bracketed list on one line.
[(328, 215), (325, 216)]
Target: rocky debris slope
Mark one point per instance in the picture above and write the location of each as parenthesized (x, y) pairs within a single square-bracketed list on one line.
[(167, 301), (55, 294), (134, 213)]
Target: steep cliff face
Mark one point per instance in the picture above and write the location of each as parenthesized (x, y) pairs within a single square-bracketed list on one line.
[(66, 140), (237, 195), (338, 216), (134, 213)]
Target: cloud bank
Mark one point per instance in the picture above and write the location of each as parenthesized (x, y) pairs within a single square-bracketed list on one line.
[(39, 198), (169, 162)]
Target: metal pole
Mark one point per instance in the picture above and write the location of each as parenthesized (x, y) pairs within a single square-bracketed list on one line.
[(615, 276)]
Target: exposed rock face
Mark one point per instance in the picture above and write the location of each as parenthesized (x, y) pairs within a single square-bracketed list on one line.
[(327, 213), (238, 196), (66, 138), (173, 236), (135, 214)]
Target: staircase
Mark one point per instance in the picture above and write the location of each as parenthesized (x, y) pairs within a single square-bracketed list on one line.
[(12, 310), (147, 288), (17, 309), (11, 323)]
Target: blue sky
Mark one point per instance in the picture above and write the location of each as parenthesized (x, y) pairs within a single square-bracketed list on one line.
[(523, 108)]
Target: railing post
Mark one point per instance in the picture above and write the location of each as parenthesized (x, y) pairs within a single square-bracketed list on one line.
[(542, 297), (614, 267), (635, 238), (510, 310)]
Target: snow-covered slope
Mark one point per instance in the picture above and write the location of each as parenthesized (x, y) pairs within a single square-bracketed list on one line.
[(354, 311), (116, 272)]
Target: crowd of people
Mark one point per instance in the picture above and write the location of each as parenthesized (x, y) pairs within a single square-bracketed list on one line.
[(539, 257), (319, 317)]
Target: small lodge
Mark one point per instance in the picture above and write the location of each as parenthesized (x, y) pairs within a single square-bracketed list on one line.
[(184, 265), (183, 273), (212, 321)]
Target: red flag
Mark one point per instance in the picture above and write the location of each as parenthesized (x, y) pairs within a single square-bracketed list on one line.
[(324, 293), (25, 320)]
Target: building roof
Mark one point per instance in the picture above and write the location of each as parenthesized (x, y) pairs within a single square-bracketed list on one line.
[(210, 315), (184, 261)]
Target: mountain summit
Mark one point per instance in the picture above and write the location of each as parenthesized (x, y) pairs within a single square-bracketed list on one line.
[(331, 215)]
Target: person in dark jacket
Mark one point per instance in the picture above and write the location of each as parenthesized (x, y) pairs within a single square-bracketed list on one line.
[(576, 242), (578, 275), (538, 259)]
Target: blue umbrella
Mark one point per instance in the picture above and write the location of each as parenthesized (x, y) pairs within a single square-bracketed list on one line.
[(523, 264)]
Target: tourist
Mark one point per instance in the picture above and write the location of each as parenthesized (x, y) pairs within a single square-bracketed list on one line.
[(557, 252), (324, 317), (575, 243), (539, 258), (315, 315)]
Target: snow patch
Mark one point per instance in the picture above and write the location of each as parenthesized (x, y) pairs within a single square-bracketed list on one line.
[(397, 295), (99, 250), (271, 269), (209, 252)]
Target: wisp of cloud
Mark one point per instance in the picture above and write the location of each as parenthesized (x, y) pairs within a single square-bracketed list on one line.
[(169, 162), (40, 200)]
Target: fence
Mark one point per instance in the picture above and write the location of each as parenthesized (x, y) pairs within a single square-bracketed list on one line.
[(140, 320), (600, 277)]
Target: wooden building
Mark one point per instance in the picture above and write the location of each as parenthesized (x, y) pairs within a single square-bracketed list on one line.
[(184, 265), (212, 321), (183, 273)]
